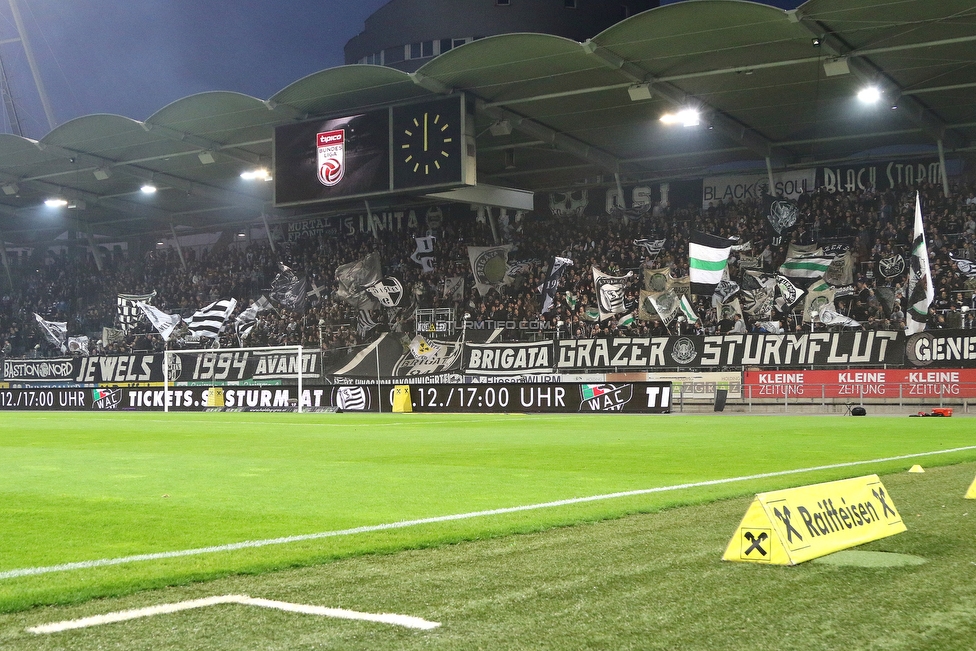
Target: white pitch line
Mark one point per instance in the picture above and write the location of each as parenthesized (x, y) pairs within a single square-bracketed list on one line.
[(251, 544), (164, 609)]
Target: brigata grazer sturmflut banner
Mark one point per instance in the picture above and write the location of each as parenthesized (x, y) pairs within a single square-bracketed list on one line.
[(793, 350)]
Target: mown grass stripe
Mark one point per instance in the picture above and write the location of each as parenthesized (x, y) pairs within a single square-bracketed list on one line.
[(251, 544)]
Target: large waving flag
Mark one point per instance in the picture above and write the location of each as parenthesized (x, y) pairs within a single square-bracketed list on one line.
[(921, 292), (551, 284), (164, 323), (708, 257), (54, 331), (207, 321)]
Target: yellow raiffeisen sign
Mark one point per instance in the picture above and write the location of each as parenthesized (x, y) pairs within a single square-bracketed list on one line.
[(971, 493), (798, 524)]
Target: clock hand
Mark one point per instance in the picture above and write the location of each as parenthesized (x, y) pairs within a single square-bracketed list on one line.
[(425, 132)]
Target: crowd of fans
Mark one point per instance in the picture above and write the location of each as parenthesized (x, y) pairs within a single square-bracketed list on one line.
[(876, 225)]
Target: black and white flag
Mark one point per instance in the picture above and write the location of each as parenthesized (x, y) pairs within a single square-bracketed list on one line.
[(164, 323), (921, 291), (354, 277), (78, 345), (789, 294), (207, 321), (781, 215), (56, 332), (666, 305), (454, 288), (247, 319), (725, 290), (423, 255), (365, 323), (966, 267), (610, 293), (651, 247), (129, 315), (388, 291), (894, 266), (549, 287), (288, 290)]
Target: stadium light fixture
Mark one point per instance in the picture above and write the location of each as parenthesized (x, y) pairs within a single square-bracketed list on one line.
[(55, 202), (836, 67), (11, 188), (148, 188), (684, 117), (639, 92), (259, 174), (102, 173), (206, 157), (501, 128), (869, 95)]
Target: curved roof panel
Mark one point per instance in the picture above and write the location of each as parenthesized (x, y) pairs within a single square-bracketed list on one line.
[(768, 83)]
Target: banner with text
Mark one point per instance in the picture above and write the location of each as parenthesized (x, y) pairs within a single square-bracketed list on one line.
[(862, 383)]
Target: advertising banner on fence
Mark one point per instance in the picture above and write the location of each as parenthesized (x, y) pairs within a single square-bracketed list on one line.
[(604, 397), (699, 387), (805, 349), (210, 367), (241, 398), (861, 383), (791, 526)]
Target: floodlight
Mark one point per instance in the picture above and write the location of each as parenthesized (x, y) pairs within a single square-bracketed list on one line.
[(206, 157), (55, 202), (869, 94), (148, 188), (102, 173), (11, 188), (259, 174), (684, 117)]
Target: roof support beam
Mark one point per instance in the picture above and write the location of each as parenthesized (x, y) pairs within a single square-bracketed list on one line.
[(724, 123), (204, 144), (530, 127), (869, 72), (209, 192)]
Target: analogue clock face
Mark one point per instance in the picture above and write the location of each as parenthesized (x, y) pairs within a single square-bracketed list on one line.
[(427, 144)]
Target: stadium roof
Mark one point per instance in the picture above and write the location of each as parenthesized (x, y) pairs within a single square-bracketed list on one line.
[(770, 84)]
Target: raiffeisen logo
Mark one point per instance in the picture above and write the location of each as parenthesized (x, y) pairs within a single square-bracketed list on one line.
[(330, 152)]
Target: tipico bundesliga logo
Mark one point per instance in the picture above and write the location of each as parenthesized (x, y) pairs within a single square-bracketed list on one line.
[(605, 397), (331, 148)]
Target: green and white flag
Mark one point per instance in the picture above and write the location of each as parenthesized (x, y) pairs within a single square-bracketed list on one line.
[(685, 306), (625, 321), (807, 265), (708, 257), (921, 292)]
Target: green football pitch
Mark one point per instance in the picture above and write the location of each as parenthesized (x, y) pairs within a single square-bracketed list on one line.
[(99, 505)]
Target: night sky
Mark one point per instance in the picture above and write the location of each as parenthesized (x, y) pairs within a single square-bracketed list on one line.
[(133, 57)]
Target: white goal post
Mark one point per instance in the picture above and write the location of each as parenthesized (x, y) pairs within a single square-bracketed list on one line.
[(218, 356)]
